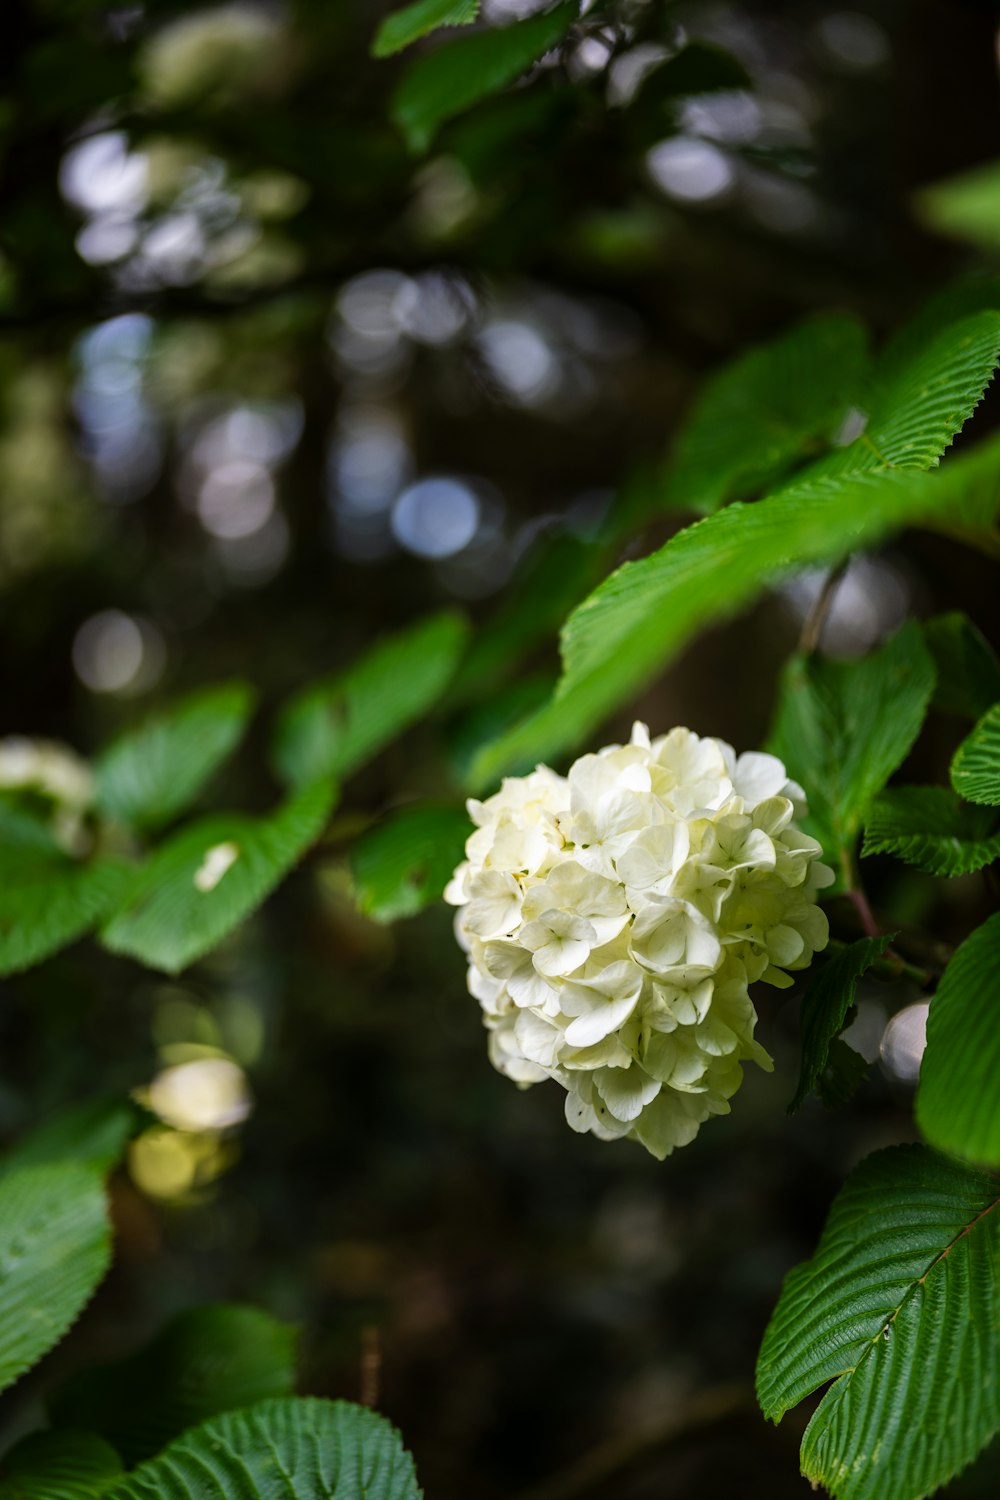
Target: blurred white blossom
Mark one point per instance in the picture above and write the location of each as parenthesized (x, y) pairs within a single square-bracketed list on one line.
[(56, 774), (615, 918)]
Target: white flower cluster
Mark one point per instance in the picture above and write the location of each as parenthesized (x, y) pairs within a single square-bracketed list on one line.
[(614, 919)]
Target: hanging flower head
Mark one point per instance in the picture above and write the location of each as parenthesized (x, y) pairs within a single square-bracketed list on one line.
[(615, 918)]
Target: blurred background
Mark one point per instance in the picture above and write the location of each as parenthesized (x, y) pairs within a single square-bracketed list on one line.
[(270, 386)]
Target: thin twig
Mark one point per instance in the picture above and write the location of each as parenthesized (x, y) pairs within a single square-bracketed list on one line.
[(812, 625), (371, 1365)]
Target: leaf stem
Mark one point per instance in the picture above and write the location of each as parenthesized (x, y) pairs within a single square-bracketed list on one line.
[(892, 962), (856, 895)]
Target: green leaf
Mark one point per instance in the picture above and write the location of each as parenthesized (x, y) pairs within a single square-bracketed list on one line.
[(206, 1360), (59, 1466), (975, 769), (958, 1100), (150, 774), (928, 382), (206, 879), (824, 1010), (966, 207), (95, 1133), (333, 727), (968, 672), (843, 727), (408, 25), (640, 617), (698, 68), (407, 859), (929, 827), (55, 1246), (765, 412), (48, 900), (898, 1308), (295, 1449), (449, 80), (843, 1075)]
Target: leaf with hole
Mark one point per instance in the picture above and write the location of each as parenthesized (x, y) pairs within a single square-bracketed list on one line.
[(404, 27), (196, 888), (333, 727), (154, 772), (824, 1011), (931, 828), (206, 1360), (898, 1308), (55, 1246), (446, 82), (958, 1099), (294, 1449)]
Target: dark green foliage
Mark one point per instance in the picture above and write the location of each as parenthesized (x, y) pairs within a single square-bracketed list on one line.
[(843, 728), (824, 1011), (406, 860), (206, 1360), (156, 771), (58, 1466)]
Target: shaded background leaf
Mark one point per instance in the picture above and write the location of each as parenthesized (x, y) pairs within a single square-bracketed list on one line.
[(968, 672), (460, 73), (411, 22), (205, 1361), (95, 1133), (150, 774), (55, 1246), (825, 1005), (407, 859), (49, 900), (58, 1466), (333, 727)]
